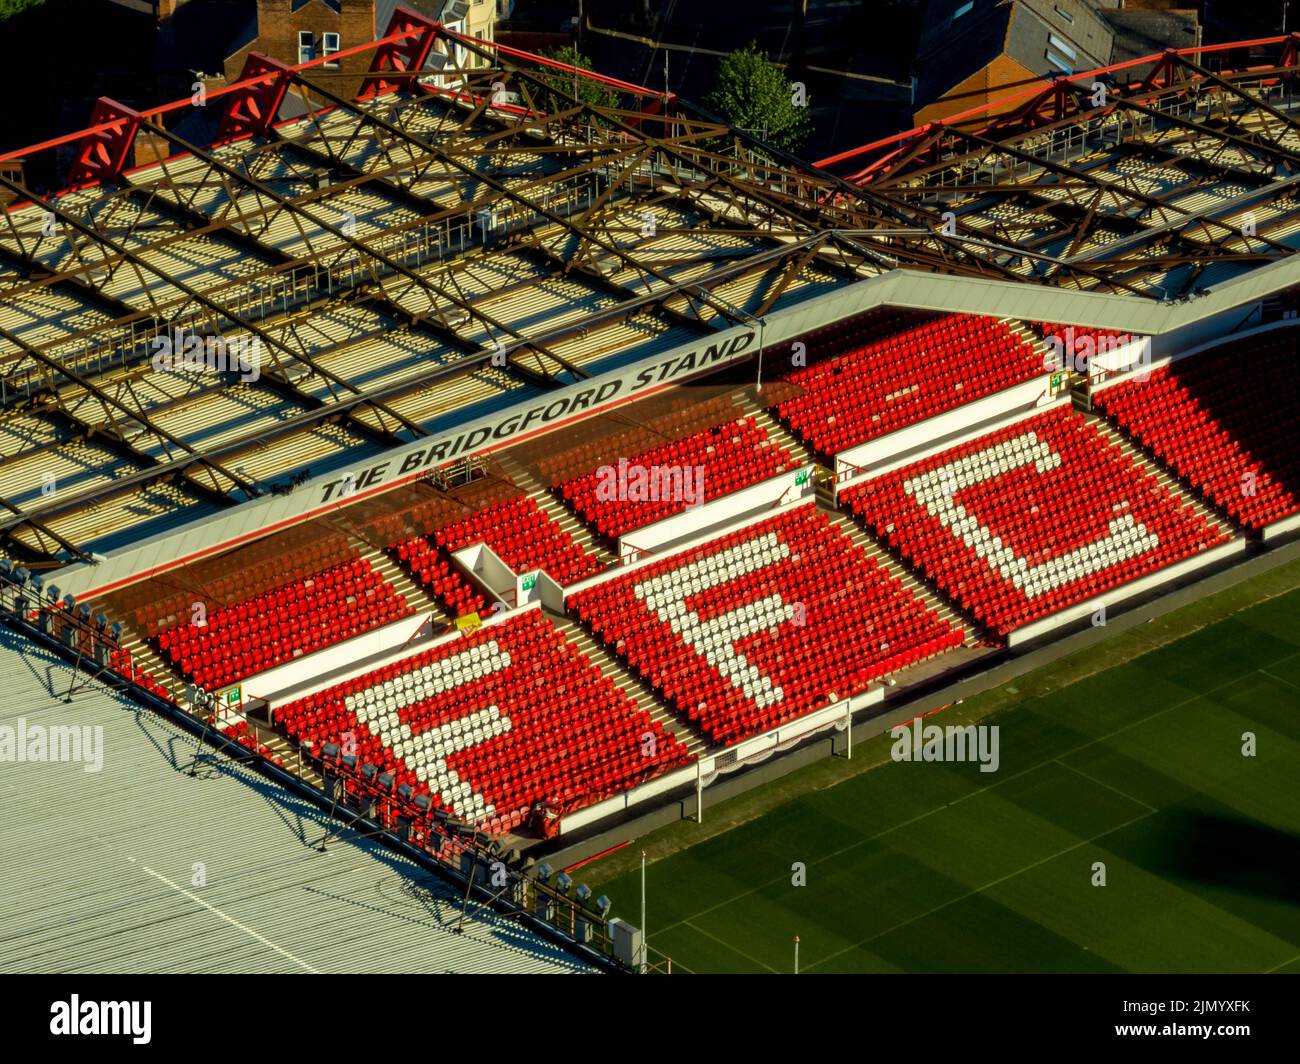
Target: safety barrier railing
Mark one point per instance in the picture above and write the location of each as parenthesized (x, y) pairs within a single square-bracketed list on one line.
[(365, 800), (36, 603)]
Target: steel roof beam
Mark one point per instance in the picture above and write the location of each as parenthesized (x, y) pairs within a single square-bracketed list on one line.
[(1116, 188), (761, 197), (300, 422), (281, 383), (430, 289), (492, 182), (214, 308)]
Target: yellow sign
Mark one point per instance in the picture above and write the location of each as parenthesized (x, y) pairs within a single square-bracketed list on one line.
[(471, 622)]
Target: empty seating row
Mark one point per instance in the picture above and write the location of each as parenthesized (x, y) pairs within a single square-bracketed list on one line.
[(763, 624), (492, 724), (521, 534), (1225, 421), (233, 576), (619, 497), (841, 336), (896, 380), (1073, 345), (439, 574), (121, 662), (603, 439), (269, 629), (1031, 518)]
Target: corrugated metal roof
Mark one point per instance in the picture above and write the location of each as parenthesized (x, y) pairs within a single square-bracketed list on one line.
[(99, 868)]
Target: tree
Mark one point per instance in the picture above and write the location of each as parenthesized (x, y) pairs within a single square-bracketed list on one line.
[(587, 90), (9, 8), (752, 93)]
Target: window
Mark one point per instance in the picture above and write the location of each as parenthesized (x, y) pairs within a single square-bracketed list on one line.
[(306, 46), (329, 47), (1059, 62), (1063, 13), (1053, 41), (963, 10)]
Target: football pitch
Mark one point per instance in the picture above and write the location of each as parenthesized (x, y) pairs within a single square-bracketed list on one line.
[(1137, 773)]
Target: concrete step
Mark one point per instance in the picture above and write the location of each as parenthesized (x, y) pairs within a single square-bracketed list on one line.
[(749, 403), (288, 753), (646, 698), (1166, 478), (1025, 332), (931, 596), (540, 493), (146, 657), (417, 596)]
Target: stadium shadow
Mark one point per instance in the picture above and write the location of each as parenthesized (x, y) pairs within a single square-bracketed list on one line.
[(1224, 852)]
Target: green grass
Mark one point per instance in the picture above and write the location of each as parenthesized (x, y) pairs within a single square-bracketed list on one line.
[(939, 867)]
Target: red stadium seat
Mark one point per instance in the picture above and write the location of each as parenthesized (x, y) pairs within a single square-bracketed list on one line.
[(764, 624), (254, 635), (518, 530), (729, 456), (493, 723), (1024, 521), (1224, 420), (884, 377)]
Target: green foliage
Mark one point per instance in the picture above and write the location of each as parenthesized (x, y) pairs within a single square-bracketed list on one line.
[(9, 8), (588, 91), (752, 93)]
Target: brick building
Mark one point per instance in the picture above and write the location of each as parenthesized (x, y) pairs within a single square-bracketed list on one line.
[(295, 31), (972, 52)]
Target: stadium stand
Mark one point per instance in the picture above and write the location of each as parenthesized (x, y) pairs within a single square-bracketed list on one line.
[(285, 623), (454, 335), (881, 377), (524, 537), (1224, 420), (1080, 348), (1023, 521), (1064, 332), (604, 440), (437, 354), (728, 456), (438, 573), (474, 722), (122, 663), (762, 624), (232, 578), (518, 531)]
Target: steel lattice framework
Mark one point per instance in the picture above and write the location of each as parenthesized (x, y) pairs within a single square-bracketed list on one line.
[(435, 234), (1150, 187), (386, 205)]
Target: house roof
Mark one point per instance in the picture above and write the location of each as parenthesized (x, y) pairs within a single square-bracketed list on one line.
[(1048, 37), (1138, 33), (953, 47), (247, 35)]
